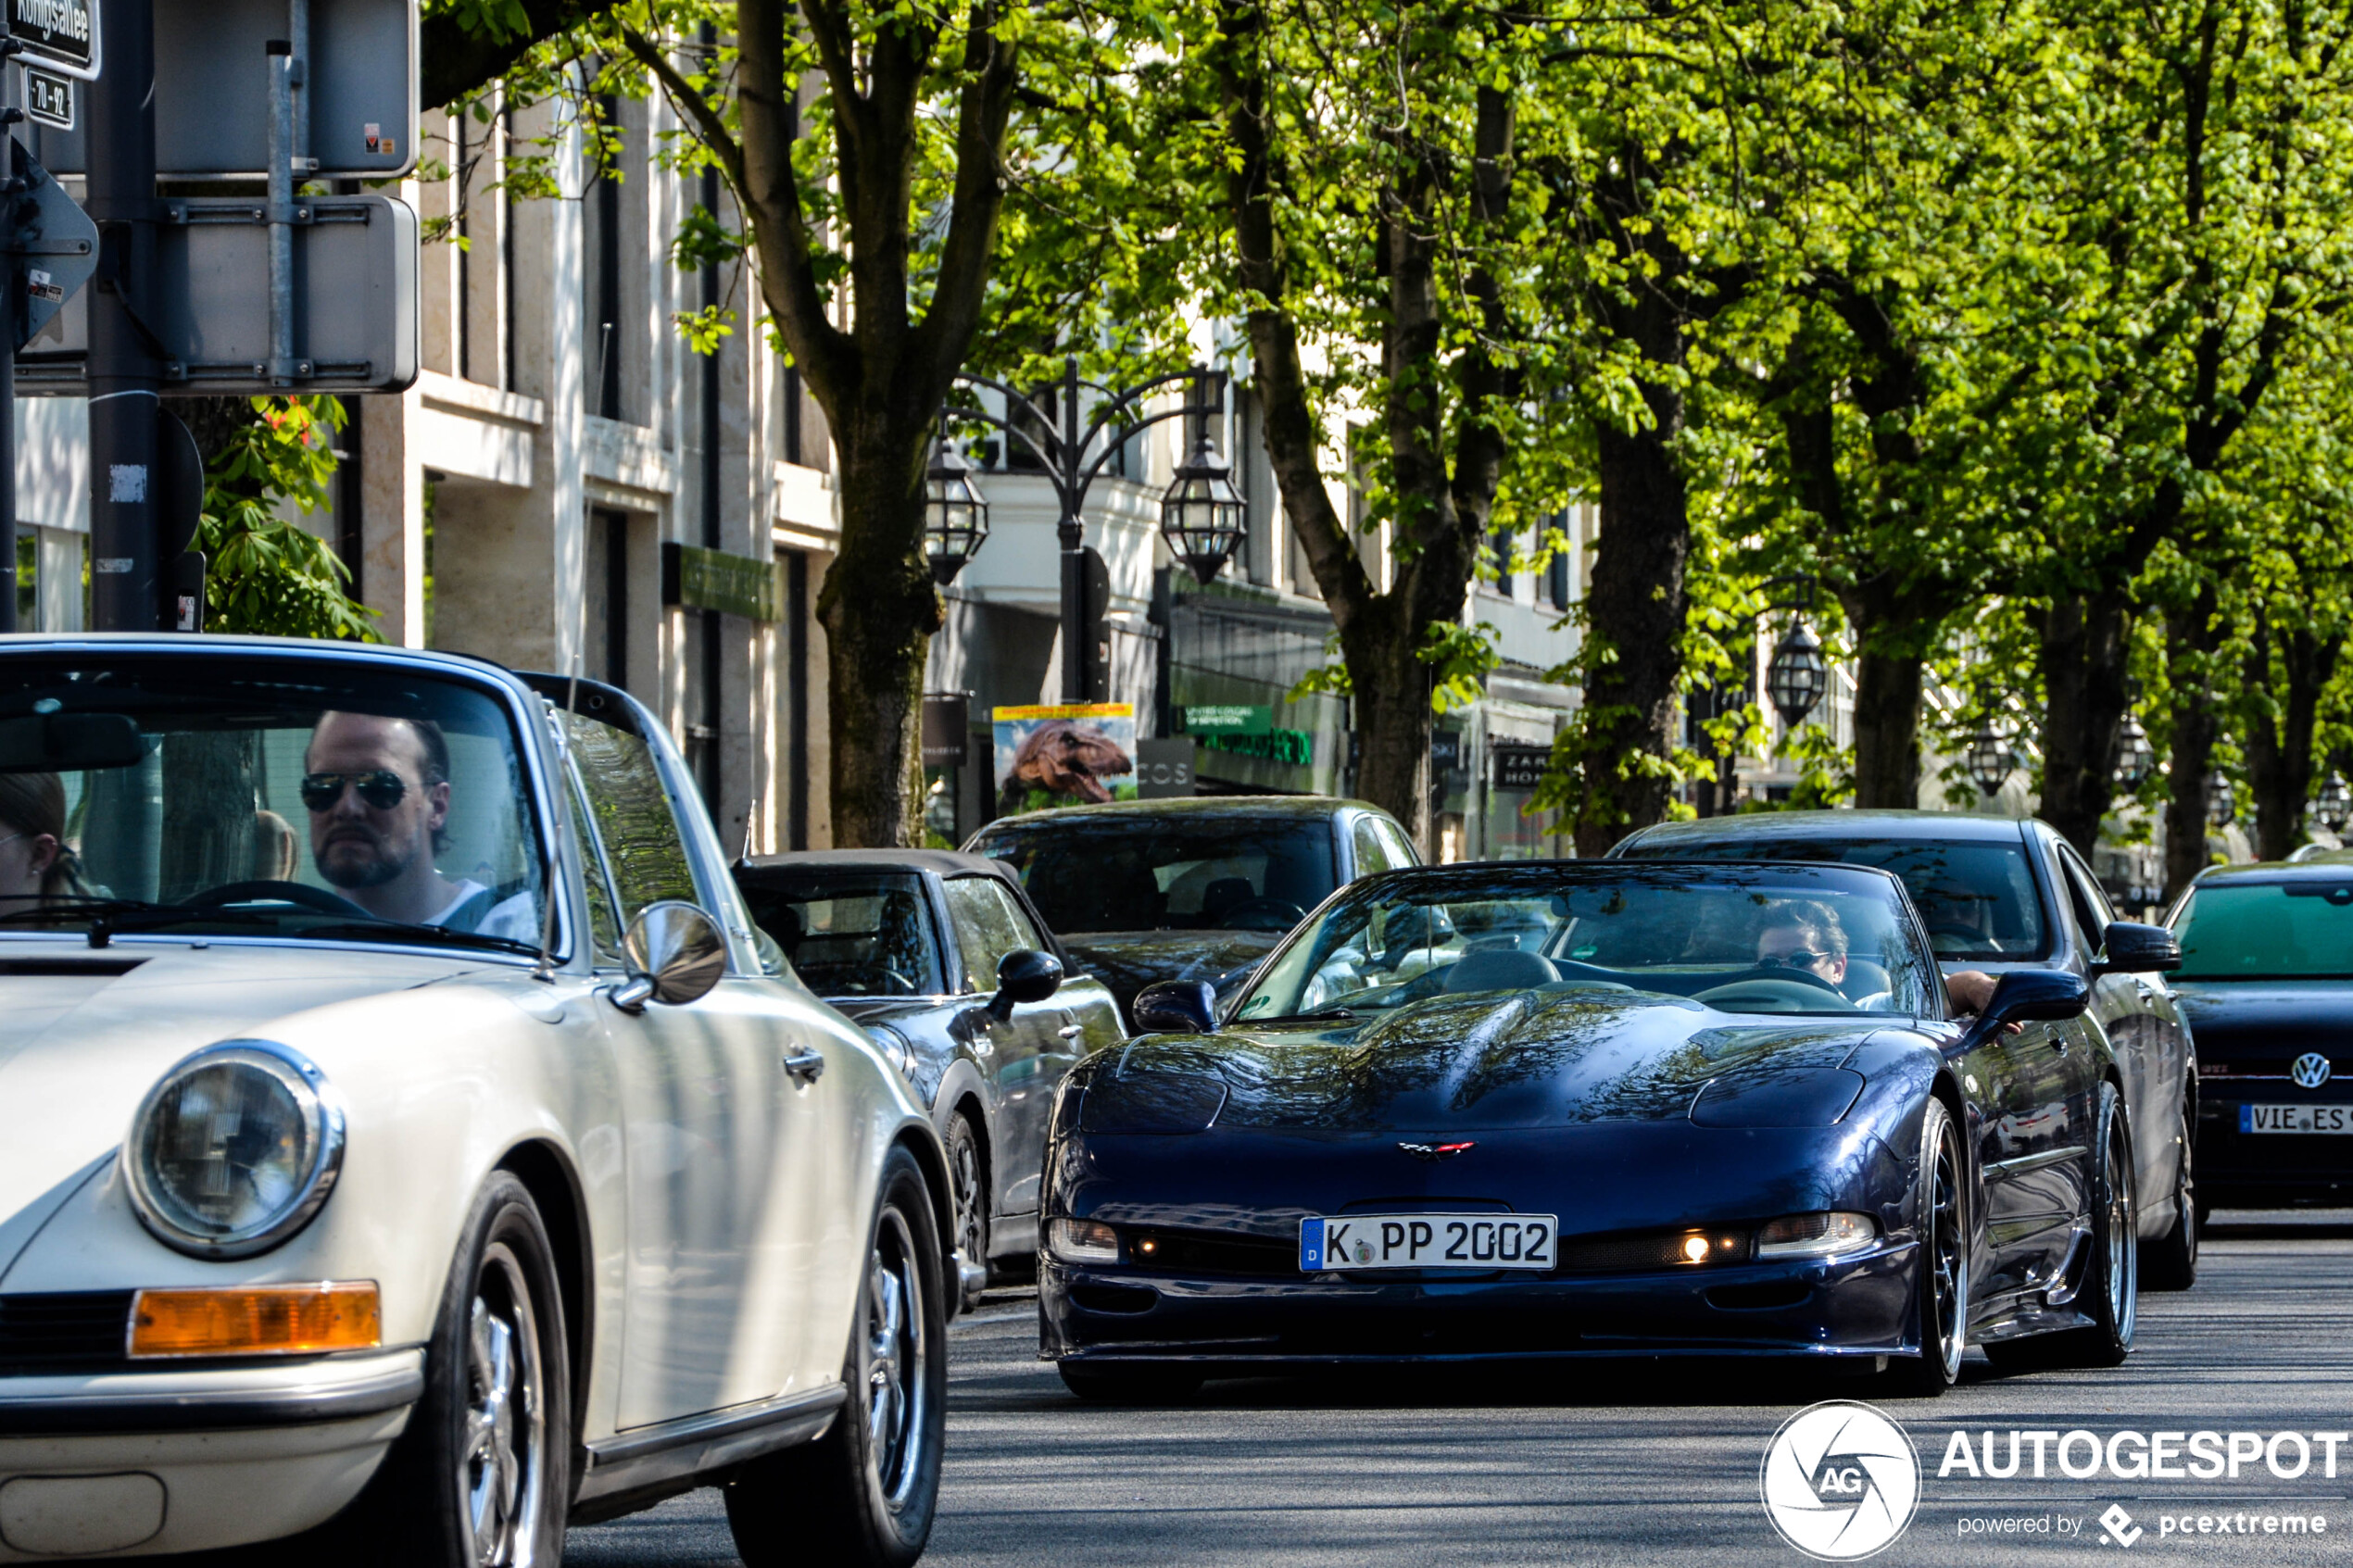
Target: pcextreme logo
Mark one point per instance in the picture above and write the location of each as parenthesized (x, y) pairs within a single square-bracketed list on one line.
[(1840, 1481)]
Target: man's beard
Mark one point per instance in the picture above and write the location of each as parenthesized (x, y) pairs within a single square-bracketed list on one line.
[(378, 868)]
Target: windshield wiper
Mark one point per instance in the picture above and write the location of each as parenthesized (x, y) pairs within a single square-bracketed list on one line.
[(416, 936), (108, 917)]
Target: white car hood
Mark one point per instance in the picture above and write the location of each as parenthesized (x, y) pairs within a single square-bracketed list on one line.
[(84, 1034)]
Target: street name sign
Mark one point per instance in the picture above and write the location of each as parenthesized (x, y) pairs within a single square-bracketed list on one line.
[(60, 32), (355, 300), (213, 104)]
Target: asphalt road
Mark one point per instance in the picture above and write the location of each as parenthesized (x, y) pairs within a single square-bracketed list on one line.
[(1625, 1463)]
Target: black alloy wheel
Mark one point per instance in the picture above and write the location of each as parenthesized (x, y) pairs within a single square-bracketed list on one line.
[(2170, 1261), (864, 1494), (969, 1174), (480, 1478), (1942, 1267), (2111, 1292)]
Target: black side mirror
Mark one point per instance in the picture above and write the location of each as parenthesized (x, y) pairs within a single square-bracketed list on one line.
[(1024, 975), (2129, 947), (1175, 1007), (2029, 996)]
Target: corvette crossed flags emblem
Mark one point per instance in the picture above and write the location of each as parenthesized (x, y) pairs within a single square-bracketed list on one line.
[(1435, 1150)]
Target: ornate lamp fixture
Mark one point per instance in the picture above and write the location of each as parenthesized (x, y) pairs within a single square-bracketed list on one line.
[(956, 515), (1203, 516), (2221, 802), (2135, 757), (1989, 758), (1798, 677), (2334, 806)]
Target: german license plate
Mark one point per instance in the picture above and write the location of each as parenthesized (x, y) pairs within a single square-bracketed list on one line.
[(1426, 1241), (2295, 1118)]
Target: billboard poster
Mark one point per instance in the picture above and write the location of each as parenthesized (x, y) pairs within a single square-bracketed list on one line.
[(1070, 754)]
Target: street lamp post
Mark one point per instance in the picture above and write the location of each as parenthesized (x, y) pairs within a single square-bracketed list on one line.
[(1989, 758), (1062, 453)]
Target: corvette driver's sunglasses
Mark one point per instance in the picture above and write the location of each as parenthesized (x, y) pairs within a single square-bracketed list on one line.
[(1799, 960), (381, 790)]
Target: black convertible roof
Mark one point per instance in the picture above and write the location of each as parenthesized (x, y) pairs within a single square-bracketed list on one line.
[(940, 862), (1766, 827)]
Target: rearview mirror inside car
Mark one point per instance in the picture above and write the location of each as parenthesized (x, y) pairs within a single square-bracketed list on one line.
[(61, 743), (2129, 947), (1177, 1006), (1024, 975)]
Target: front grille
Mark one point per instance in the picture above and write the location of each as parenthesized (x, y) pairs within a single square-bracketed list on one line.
[(1199, 1252), (68, 1331)]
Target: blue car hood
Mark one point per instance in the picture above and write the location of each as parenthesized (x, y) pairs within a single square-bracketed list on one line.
[(1491, 1061), (2233, 1020)]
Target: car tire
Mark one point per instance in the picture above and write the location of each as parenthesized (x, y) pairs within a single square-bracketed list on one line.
[(866, 1493), (1941, 1282), (2111, 1292), (481, 1477), (1127, 1384), (968, 1173), (2170, 1261)]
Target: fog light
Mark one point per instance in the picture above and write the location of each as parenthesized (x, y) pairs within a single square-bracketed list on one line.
[(1083, 1241), (1816, 1236), (1695, 1248), (280, 1320)]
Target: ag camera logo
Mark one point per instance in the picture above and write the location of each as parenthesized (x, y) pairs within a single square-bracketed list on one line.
[(1840, 1481)]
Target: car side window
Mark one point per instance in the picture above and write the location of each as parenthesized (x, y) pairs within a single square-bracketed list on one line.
[(1401, 848), (1372, 852), (2091, 900), (643, 844), (988, 925), (604, 927)]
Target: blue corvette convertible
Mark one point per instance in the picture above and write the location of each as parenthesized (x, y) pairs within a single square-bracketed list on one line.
[(1589, 1107)]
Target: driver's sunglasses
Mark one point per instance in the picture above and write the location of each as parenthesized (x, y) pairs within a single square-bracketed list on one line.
[(380, 790), (1799, 960)]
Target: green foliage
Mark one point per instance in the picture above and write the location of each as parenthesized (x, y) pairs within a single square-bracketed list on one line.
[(263, 573)]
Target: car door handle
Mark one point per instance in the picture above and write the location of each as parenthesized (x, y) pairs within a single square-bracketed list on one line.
[(1071, 1031), (804, 1067)]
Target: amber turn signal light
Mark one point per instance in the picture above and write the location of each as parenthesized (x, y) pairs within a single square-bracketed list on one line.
[(269, 1320)]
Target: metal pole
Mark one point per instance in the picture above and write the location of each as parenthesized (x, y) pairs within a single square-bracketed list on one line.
[(125, 378), (8, 448), (1072, 532), (281, 213)]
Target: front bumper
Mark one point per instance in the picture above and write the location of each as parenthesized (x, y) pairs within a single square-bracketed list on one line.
[(2260, 1170), (1860, 1305), (137, 1463)]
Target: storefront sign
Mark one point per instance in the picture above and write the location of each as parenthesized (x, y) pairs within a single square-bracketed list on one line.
[(1445, 750), (701, 579), (1294, 746), (947, 726), (1228, 719), (1164, 769), (1519, 765)]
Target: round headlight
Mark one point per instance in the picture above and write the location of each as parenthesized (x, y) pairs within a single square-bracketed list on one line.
[(235, 1150)]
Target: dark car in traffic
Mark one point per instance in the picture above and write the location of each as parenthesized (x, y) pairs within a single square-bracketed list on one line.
[(1998, 895), (1590, 1108), (943, 961), (1190, 889), (2267, 980)]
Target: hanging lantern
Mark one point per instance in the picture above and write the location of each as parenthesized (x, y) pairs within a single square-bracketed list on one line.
[(2222, 803), (1988, 759), (955, 517), (1203, 516), (2334, 806), (1799, 676), (2135, 757)]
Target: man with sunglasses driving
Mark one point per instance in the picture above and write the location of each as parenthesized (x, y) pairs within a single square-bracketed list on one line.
[(378, 792)]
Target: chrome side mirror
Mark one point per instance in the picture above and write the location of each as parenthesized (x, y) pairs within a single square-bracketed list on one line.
[(677, 954)]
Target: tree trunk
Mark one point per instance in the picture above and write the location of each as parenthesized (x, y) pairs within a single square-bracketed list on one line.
[(2084, 642), (2191, 635), (2282, 717), (1887, 728), (879, 608), (1391, 718), (1635, 612)]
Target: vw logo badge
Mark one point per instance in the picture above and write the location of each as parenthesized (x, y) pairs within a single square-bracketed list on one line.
[(2309, 1071), (1840, 1481)]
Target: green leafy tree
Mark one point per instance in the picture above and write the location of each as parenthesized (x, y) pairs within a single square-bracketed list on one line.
[(264, 573)]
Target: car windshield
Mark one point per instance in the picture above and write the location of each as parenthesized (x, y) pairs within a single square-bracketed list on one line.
[(1151, 872), (2267, 931), (1767, 939), (851, 933), (1977, 899), (219, 796)]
